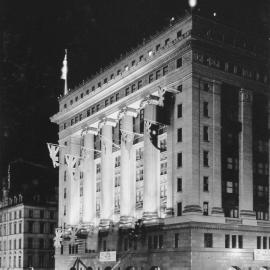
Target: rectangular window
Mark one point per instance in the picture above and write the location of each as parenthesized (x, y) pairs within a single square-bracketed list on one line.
[(233, 241), (179, 184), (133, 87), (160, 241), (205, 208), (106, 102), (176, 240), (227, 241), (208, 240), (264, 242), (151, 78), (117, 96), (139, 84), (179, 62), (30, 242), (180, 88), (127, 91), (179, 33), (205, 109), (179, 110), (205, 133), (179, 209), (165, 70), (155, 241), (240, 241), (205, 183), (205, 158), (149, 242), (158, 74), (179, 135), (179, 160), (167, 41)]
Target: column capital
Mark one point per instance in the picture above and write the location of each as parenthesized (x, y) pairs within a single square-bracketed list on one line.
[(245, 95), (107, 121), (127, 111), (89, 130), (149, 100)]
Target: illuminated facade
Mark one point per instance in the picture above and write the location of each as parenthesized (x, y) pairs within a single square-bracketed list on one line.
[(174, 135)]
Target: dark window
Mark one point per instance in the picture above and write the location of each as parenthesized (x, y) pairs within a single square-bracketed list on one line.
[(176, 240), (150, 242), (179, 160), (93, 110), (155, 241), (205, 158), (179, 135), (98, 107), (151, 78), (41, 243), (160, 241), (205, 109), (264, 242), (205, 133), (111, 76), (88, 113), (133, 63), (30, 242), (87, 92), (206, 86), (93, 88), (158, 74), (179, 62), (179, 110), (165, 70), (157, 47), (205, 208), (227, 241), (51, 214), (258, 242), (41, 226), (106, 102), (112, 99), (141, 58), (118, 71), (30, 213), (179, 184), (233, 241), (205, 183), (240, 241), (180, 87), (30, 226), (179, 209), (208, 240), (167, 41), (133, 88), (62, 249), (99, 84), (105, 80), (139, 84), (127, 91), (104, 245), (179, 33), (116, 96)]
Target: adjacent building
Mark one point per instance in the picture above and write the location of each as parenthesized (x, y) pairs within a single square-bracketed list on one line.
[(164, 156)]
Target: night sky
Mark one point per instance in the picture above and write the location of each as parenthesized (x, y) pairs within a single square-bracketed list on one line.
[(34, 34)]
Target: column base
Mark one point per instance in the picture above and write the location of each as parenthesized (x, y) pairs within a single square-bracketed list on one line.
[(192, 209), (126, 222), (217, 211), (248, 217), (150, 218), (105, 224), (169, 212)]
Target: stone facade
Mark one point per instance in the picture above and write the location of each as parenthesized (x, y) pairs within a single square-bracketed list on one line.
[(167, 139)]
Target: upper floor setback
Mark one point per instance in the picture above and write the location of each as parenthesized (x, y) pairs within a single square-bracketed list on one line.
[(195, 26)]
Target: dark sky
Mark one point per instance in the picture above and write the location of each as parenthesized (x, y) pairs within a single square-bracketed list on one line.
[(35, 33)]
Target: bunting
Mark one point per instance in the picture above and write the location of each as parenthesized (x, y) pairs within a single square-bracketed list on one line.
[(72, 164), (54, 154)]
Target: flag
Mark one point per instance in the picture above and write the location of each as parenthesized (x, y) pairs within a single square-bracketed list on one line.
[(152, 131), (64, 68), (64, 73), (54, 152)]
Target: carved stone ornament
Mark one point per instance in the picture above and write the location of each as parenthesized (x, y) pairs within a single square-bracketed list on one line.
[(161, 93), (127, 138), (149, 100)]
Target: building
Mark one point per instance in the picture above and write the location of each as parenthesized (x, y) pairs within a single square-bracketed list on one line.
[(27, 220), (166, 155)]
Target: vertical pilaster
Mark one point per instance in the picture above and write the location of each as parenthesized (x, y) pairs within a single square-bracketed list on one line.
[(107, 188), (89, 185), (127, 178), (74, 184), (216, 169), (245, 156), (151, 163), (268, 156), (191, 153)]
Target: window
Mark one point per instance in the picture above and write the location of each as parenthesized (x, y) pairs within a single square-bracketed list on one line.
[(133, 63), (41, 243), (179, 33), (30, 226), (165, 70), (127, 91), (99, 84), (205, 208), (179, 209), (41, 227), (167, 41), (180, 88), (227, 241), (179, 135), (179, 110), (30, 213), (106, 102), (116, 96), (151, 78), (141, 58), (179, 184), (258, 242), (205, 109), (20, 227), (264, 242), (155, 241), (139, 84), (65, 175), (157, 47), (65, 193), (206, 87), (105, 80), (208, 240), (205, 183), (149, 242), (240, 241), (51, 214), (20, 243), (15, 227), (176, 240), (14, 244), (158, 74), (30, 242), (179, 62), (205, 158), (98, 107), (205, 134), (233, 241), (179, 160)]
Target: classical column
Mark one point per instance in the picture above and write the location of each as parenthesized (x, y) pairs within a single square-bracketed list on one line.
[(107, 188), (127, 178), (216, 180), (151, 163), (245, 156), (74, 190), (89, 183)]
